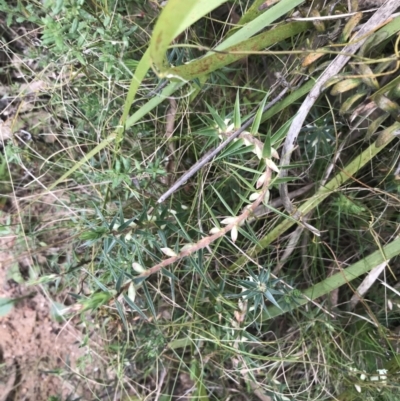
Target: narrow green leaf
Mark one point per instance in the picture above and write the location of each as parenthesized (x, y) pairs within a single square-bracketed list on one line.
[(170, 275), (84, 159), (288, 100), (278, 181), (256, 123), (244, 168), (281, 133), (241, 150), (217, 119), (249, 234), (252, 13), (231, 149), (153, 103), (343, 277), (271, 298), (206, 65), (135, 307), (260, 23), (149, 300), (222, 200), (176, 16), (237, 121), (266, 152), (121, 314), (120, 281), (140, 72), (57, 311), (102, 287)]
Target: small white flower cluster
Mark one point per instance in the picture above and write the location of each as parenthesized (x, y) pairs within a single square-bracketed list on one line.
[(249, 140)]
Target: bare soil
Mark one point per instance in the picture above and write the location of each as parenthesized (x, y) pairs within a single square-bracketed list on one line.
[(39, 357)]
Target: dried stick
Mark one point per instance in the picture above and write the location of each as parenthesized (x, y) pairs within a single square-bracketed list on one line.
[(337, 64)]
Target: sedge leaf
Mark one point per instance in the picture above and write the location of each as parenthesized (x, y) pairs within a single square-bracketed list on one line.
[(236, 113), (256, 123)]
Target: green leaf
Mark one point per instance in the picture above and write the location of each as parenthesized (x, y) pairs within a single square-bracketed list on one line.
[(173, 20), (223, 200), (241, 150), (206, 65), (270, 297), (232, 149), (343, 277), (288, 100), (260, 23), (135, 307), (252, 13), (57, 311), (236, 113), (121, 314), (96, 300), (170, 275), (281, 133), (266, 152), (141, 71), (256, 123), (244, 168), (217, 119), (120, 281), (149, 300), (153, 103)]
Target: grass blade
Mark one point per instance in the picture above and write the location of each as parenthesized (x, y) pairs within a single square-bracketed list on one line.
[(174, 19), (345, 276)]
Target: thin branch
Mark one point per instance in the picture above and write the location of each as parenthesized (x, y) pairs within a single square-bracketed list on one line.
[(204, 242)]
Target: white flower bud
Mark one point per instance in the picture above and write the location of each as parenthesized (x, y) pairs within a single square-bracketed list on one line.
[(168, 252)]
